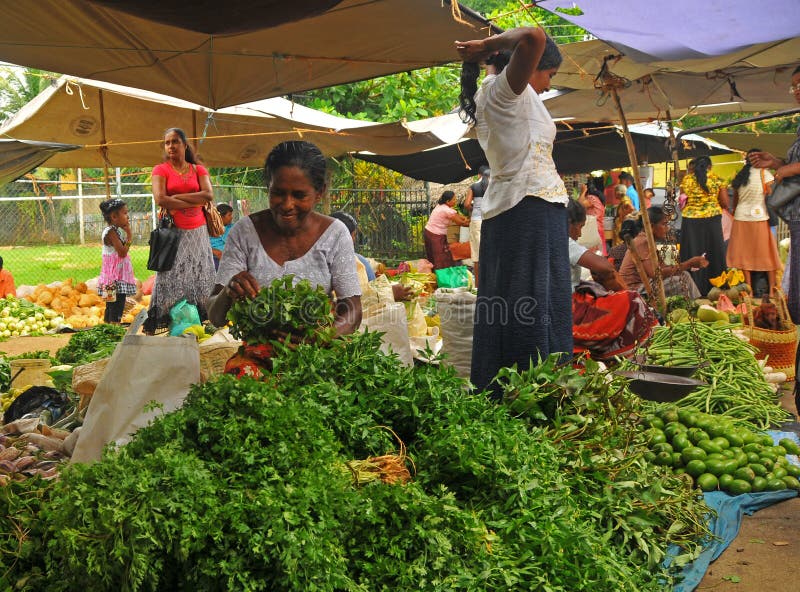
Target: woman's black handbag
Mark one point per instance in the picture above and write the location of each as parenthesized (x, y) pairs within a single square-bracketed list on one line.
[(783, 199), (164, 241)]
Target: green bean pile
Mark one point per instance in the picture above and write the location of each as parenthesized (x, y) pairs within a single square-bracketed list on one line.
[(736, 385)]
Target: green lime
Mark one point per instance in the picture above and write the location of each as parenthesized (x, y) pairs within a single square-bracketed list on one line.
[(724, 481), (661, 447), (791, 482), (716, 467), (752, 457), (693, 453), (728, 453), (758, 469), (709, 482), (650, 456), (668, 413), (695, 467), (721, 442), (656, 422), (681, 441), (775, 485), (655, 436), (766, 440), (677, 460), (664, 459), (696, 435), (673, 428), (734, 438), (779, 472), (793, 470), (767, 462), (791, 446), (738, 487), (709, 446), (744, 474), (759, 484), (687, 416), (753, 447)]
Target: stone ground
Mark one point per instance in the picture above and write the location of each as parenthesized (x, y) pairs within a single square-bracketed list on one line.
[(764, 556)]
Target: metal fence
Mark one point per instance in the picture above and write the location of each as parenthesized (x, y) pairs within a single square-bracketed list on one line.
[(44, 212)]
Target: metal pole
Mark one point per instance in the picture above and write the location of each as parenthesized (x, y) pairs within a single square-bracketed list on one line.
[(119, 182), (104, 146), (661, 301), (81, 222), (721, 124)]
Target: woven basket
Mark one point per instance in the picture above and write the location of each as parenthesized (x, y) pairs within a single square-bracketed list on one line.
[(779, 347)]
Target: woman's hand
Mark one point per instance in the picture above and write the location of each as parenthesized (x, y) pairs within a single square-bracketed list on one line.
[(698, 262), (764, 160), (473, 51), (242, 285)]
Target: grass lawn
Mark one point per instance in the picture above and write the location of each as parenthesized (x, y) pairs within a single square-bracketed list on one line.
[(45, 264)]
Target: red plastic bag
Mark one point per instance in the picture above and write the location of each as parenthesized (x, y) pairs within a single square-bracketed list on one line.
[(147, 286)]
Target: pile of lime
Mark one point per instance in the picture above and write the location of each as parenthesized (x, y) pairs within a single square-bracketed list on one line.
[(719, 454)]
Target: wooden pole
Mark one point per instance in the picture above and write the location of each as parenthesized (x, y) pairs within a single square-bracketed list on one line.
[(103, 145), (661, 299)]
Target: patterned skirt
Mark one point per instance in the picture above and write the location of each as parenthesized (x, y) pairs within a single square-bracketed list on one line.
[(190, 279)]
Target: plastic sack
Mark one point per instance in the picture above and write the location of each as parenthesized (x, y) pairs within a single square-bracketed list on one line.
[(142, 369), (456, 310), (417, 327), (391, 321), (378, 295), (453, 277), (183, 316)]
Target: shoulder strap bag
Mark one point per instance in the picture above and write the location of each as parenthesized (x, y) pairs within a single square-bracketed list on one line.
[(164, 240), (214, 223)]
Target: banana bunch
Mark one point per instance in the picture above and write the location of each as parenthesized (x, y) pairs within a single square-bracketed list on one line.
[(8, 397)]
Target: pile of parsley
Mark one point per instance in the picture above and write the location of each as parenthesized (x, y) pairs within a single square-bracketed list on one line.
[(244, 488), (92, 344)]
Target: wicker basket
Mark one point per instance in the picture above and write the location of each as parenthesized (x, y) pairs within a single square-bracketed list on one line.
[(779, 347)]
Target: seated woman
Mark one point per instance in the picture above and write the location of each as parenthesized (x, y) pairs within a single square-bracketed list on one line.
[(290, 238), (676, 278), (580, 256), (607, 319)]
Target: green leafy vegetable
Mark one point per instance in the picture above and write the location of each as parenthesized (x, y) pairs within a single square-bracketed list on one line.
[(90, 345)]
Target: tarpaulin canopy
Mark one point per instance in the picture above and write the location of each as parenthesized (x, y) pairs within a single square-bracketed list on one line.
[(577, 149), (17, 157), (131, 124), (224, 54), (683, 29), (681, 57)]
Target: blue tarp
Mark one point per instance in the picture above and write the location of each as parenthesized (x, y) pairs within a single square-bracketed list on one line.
[(729, 512)]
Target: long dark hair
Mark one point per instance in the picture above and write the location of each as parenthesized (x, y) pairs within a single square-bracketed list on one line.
[(701, 166), (301, 154), (551, 58), (744, 173), (576, 213), (190, 156)]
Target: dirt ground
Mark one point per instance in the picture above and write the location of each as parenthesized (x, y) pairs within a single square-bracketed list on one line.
[(764, 556), (766, 553), (20, 345)]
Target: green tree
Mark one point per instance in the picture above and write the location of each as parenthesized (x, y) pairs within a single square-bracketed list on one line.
[(19, 86)]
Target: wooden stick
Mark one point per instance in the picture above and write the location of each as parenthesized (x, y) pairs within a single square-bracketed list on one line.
[(661, 299)]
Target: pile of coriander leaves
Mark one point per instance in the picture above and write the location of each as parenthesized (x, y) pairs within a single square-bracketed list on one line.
[(244, 488)]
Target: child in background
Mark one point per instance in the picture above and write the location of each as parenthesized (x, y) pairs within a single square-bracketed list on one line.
[(218, 242), (116, 274), (7, 287)]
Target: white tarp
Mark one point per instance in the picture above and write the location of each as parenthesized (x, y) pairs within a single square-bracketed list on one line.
[(135, 120)]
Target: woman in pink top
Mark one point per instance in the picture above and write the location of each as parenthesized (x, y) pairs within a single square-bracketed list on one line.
[(594, 207), (182, 187), (443, 215)]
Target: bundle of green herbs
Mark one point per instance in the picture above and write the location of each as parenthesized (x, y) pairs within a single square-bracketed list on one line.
[(246, 488), (91, 344), (280, 309)]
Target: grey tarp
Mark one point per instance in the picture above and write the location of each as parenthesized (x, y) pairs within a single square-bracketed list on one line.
[(352, 40), (577, 149), (17, 157)]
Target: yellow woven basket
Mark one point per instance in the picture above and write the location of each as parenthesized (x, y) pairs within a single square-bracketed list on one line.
[(779, 347)]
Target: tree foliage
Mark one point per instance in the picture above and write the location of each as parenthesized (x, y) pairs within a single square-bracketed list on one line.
[(19, 86)]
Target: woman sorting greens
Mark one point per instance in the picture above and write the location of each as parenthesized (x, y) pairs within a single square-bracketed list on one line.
[(523, 309), (289, 238)]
